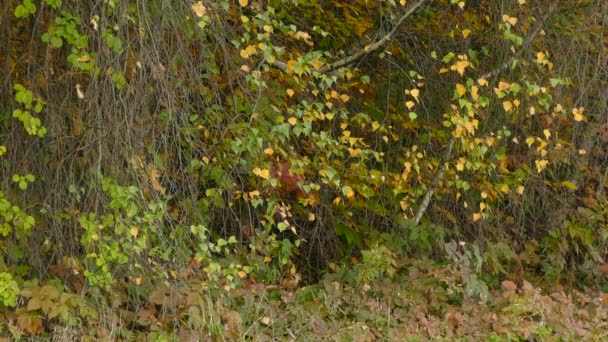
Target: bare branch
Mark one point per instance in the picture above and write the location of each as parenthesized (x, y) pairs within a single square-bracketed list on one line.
[(361, 53), (429, 194)]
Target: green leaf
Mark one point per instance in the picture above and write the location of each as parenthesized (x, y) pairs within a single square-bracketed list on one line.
[(55, 4), (119, 80), (21, 11)]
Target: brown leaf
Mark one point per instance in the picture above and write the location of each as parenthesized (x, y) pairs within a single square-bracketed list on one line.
[(189, 336), (528, 288), (509, 285), (603, 268), (153, 175), (232, 323), (29, 323)]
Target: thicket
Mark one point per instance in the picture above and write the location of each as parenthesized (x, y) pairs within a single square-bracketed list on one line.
[(147, 142)]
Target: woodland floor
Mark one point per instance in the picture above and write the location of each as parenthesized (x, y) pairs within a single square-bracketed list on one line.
[(419, 302)]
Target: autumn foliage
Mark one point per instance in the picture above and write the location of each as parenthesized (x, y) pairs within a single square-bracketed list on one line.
[(453, 150)]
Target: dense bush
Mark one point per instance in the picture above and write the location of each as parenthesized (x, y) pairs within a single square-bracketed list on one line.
[(145, 142)]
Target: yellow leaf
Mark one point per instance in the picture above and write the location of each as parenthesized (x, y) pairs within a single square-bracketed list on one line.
[(242, 274), (415, 94), (475, 92), (482, 206), (262, 173), (348, 192), (460, 66), (569, 185), (482, 82), (504, 188), (84, 58), (354, 152), (484, 195), (520, 190), (268, 151), (443, 70), (248, 51), (344, 98), (541, 165), (582, 152), (476, 217), (466, 33), (199, 9), (95, 237), (311, 216), (577, 113), (292, 121), (317, 64), (540, 57), (134, 231), (402, 2), (375, 125), (547, 133), (460, 166), (507, 105), (502, 86), (461, 90), (290, 92), (243, 3), (530, 141), (508, 19), (410, 104), (205, 160)]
